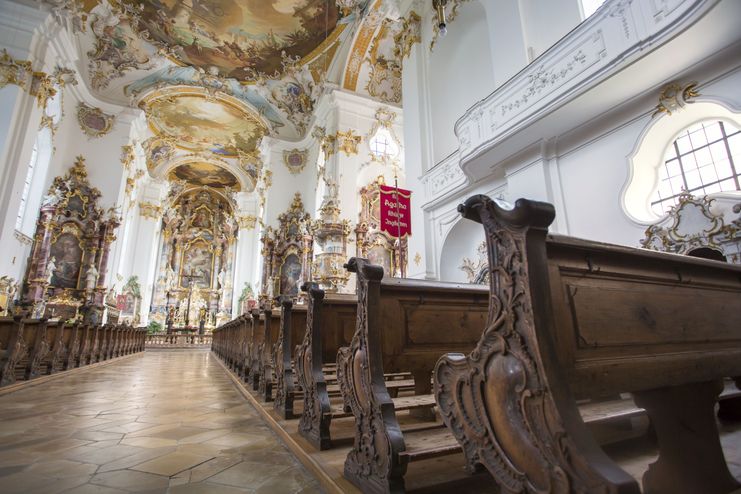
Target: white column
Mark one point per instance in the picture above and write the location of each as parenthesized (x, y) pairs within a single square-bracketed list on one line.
[(247, 248)]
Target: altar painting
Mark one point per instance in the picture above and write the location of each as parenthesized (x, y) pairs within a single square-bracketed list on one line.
[(290, 275), (67, 254), (198, 259), (381, 256)]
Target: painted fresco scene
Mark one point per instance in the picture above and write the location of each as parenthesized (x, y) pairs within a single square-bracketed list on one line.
[(239, 38)]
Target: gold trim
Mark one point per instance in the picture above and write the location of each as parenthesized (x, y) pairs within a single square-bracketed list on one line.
[(149, 210), (84, 110)]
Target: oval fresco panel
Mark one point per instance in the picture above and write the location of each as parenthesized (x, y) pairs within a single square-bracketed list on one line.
[(239, 37), (205, 174), (200, 123)]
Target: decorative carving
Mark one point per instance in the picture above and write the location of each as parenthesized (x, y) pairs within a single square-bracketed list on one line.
[(408, 35), (498, 400), (477, 271), (295, 160), (12, 71), (330, 237), (694, 226), (149, 210), (373, 463), (247, 221), (674, 96), (284, 391), (348, 141), (417, 259), (93, 122), (317, 412), (127, 156)]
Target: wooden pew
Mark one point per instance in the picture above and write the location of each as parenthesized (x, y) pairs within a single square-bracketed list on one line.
[(570, 319), (270, 329), (292, 329), (402, 325), (71, 340), (84, 356), (256, 337), (330, 324), (11, 341)]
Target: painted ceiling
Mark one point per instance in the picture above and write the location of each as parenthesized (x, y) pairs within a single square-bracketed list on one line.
[(208, 174), (215, 76), (196, 122), (240, 38)]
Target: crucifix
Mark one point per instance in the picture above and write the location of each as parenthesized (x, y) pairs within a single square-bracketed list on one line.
[(190, 277)]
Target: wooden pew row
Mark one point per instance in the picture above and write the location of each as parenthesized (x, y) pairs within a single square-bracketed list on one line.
[(30, 348), (331, 322), (572, 319), (403, 325)]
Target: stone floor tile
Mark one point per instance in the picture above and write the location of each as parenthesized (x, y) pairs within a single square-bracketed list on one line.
[(248, 474), (289, 482), (94, 489), (131, 480), (177, 414), (172, 463), (209, 488), (149, 442)]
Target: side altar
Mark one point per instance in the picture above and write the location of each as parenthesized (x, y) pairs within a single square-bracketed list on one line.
[(66, 272)]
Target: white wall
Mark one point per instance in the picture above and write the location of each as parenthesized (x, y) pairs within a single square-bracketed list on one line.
[(460, 72)]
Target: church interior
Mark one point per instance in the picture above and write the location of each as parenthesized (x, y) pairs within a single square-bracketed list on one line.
[(377, 246)]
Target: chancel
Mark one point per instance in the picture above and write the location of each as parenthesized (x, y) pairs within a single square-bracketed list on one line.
[(370, 246)]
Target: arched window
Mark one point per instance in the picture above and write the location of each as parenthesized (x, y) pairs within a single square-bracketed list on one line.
[(704, 158), (38, 165), (383, 145)]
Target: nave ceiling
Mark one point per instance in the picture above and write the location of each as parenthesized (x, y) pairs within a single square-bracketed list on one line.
[(215, 76)]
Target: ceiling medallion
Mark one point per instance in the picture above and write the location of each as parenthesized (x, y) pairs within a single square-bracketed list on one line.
[(241, 39), (93, 122), (295, 160), (197, 121)]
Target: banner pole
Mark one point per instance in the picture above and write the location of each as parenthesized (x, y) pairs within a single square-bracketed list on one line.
[(398, 227)]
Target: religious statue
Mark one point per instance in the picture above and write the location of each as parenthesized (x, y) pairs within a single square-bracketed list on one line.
[(222, 278), (92, 278), (170, 278), (51, 266)]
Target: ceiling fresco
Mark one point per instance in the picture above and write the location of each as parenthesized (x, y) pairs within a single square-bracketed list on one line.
[(195, 121), (205, 174), (214, 77), (241, 38)]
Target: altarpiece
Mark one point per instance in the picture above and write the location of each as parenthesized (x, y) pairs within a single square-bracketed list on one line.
[(66, 272), (196, 260)]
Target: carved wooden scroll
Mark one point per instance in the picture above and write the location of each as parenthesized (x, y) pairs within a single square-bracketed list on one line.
[(265, 386), (73, 346), (284, 392), (507, 402), (317, 414), (255, 342), (83, 356), (14, 351), (373, 463), (244, 327)]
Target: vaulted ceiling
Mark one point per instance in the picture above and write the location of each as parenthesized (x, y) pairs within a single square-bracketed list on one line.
[(215, 76)]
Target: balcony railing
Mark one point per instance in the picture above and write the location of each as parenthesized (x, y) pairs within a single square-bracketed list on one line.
[(164, 340)]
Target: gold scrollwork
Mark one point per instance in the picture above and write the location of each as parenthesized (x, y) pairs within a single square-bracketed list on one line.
[(149, 210), (348, 142), (247, 222), (674, 97), (93, 122)]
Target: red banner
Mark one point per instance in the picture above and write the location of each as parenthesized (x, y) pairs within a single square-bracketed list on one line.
[(396, 211), (120, 302)]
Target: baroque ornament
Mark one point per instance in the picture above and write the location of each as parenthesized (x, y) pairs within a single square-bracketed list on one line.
[(149, 210), (127, 156), (247, 221), (674, 96), (295, 160), (451, 12), (93, 122), (348, 141)]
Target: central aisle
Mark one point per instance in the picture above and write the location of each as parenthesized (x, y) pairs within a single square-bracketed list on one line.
[(167, 421)]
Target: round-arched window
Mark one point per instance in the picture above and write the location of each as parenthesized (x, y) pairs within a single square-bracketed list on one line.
[(704, 158)]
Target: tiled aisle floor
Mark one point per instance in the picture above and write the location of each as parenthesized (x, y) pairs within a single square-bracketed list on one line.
[(157, 422)]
